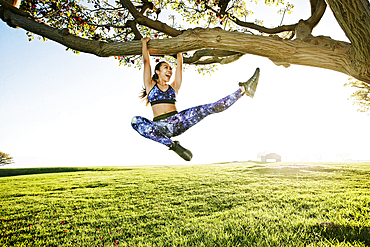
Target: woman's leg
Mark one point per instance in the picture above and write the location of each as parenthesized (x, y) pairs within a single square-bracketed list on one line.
[(188, 118), (151, 130), (160, 131)]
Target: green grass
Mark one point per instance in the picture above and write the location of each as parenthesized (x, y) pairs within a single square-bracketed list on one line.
[(232, 204)]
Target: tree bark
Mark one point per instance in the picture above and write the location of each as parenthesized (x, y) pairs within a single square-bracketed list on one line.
[(354, 19)]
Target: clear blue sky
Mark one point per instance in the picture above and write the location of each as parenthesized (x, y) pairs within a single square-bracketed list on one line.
[(60, 109)]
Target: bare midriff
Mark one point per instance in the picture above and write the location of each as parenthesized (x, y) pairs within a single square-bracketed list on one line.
[(163, 108)]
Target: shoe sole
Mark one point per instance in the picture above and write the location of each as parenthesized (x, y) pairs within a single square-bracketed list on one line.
[(248, 84)]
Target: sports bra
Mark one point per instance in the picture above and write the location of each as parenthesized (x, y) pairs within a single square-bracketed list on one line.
[(157, 96)]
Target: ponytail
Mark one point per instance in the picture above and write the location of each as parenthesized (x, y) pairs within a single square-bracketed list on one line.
[(155, 77), (144, 96)]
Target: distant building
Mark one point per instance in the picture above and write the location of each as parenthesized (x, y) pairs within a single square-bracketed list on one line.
[(271, 156)]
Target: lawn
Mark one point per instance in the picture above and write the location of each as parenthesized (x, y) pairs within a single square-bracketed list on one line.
[(228, 204)]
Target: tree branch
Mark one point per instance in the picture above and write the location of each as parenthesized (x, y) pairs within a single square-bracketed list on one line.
[(223, 5), (149, 5), (61, 36), (209, 53), (263, 29), (318, 8), (142, 20), (132, 24), (312, 21)]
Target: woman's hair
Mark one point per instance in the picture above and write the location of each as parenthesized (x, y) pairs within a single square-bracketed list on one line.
[(143, 94)]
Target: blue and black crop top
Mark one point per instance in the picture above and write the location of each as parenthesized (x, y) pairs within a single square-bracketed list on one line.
[(157, 96)]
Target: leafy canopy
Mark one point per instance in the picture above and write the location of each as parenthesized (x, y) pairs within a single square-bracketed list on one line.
[(114, 21)]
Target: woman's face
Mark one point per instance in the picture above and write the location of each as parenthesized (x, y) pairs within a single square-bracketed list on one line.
[(164, 73)]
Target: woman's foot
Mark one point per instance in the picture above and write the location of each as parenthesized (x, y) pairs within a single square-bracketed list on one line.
[(249, 87), (183, 152)]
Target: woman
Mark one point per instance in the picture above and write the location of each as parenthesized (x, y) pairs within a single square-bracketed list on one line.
[(161, 94)]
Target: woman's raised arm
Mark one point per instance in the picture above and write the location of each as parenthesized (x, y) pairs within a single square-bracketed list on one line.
[(178, 75), (146, 62)]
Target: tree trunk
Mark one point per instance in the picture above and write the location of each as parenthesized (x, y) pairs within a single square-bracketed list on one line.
[(354, 19)]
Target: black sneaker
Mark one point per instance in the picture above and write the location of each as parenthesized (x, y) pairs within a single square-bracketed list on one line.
[(183, 152), (250, 86)]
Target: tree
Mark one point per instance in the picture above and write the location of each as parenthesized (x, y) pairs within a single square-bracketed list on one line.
[(5, 159), (362, 96), (216, 34)]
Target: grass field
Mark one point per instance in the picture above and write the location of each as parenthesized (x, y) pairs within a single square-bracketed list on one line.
[(232, 204)]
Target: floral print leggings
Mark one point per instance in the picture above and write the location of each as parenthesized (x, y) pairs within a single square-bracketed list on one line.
[(161, 131)]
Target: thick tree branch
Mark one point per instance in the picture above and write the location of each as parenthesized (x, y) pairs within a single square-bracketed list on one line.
[(61, 36), (322, 52), (142, 20)]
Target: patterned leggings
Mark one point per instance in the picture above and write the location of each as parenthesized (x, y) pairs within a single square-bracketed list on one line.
[(161, 131)]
